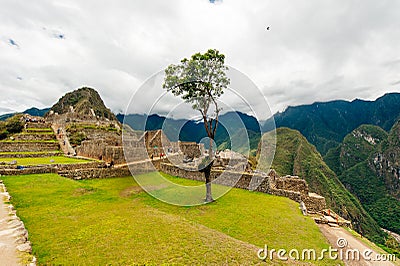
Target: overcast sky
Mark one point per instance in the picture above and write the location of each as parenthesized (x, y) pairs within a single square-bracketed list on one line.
[(313, 50)]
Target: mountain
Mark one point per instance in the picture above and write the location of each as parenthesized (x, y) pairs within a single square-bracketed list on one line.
[(294, 155), (36, 112), (355, 148), (32, 111), (368, 164), (85, 102), (325, 124), (233, 130)]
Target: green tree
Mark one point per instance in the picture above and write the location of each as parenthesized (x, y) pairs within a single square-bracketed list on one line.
[(200, 81), (14, 124), (3, 130)]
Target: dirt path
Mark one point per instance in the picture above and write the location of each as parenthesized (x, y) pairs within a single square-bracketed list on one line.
[(338, 235), (8, 246)]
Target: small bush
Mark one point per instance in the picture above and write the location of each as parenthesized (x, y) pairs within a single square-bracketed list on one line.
[(77, 137)]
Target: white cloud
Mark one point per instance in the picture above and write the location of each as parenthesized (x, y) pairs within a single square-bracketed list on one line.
[(314, 50)]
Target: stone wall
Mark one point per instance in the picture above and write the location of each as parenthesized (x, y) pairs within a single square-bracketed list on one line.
[(291, 187), (28, 146), (190, 149), (49, 168), (291, 183), (100, 150), (93, 173), (34, 136), (37, 125), (30, 155), (314, 202), (156, 142), (227, 178), (29, 171)]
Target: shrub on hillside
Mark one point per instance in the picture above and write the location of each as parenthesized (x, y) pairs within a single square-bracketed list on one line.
[(77, 137), (14, 124), (3, 130)]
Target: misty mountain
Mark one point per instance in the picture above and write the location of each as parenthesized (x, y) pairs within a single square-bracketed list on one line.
[(325, 124), (233, 127)]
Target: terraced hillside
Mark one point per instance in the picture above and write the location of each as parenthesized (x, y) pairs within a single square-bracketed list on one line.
[(36, 140)]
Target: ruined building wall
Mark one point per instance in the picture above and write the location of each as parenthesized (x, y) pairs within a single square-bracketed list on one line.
[(294, 188), (190, 149)]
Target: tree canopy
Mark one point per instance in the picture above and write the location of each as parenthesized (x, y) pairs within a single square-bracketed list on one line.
[(200, 81)]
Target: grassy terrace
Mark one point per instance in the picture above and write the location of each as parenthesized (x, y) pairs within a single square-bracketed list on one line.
[(44, 160), (45, 132), (28, 152), (39, 129), (112, 221), (30, 141)]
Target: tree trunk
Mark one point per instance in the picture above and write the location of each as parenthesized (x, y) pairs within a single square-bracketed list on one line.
[(207, 175)]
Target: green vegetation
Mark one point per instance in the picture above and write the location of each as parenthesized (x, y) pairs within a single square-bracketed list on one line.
[(45, 131), (295, 156), (39, 130), (83, 100), (112, 221), (77, 137), (355, 148), (44, 160), (325, 124), (367, 179), (371, 191), (10, 126)]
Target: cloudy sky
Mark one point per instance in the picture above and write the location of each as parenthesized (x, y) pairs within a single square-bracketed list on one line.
[(313, 51)]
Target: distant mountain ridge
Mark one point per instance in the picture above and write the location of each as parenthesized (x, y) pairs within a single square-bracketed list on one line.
[(233, 126), (31, 111), (325, 124)]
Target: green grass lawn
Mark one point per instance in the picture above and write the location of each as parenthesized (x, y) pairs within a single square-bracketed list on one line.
[(112, 221), (44, 160)]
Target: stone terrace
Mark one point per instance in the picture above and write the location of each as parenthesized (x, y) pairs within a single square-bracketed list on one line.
[(37, 137)]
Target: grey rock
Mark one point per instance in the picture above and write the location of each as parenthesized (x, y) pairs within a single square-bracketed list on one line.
[(26, 247)]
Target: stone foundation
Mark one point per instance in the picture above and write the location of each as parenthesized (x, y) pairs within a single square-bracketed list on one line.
[(93, 173), (190, 149), (28, 146), (37, 125), (29, 155), (291, 187), (34, 136)]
